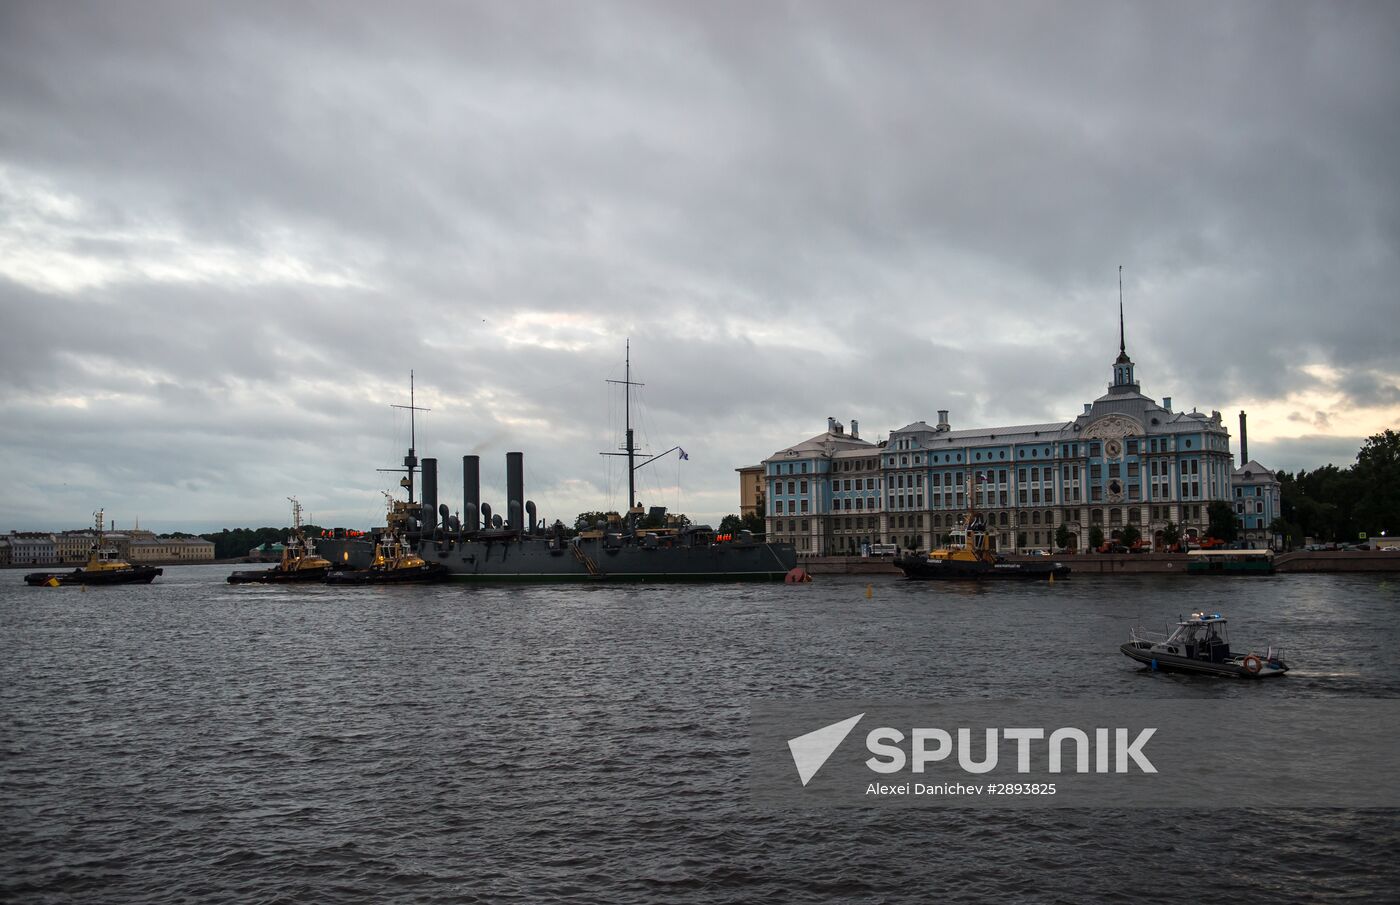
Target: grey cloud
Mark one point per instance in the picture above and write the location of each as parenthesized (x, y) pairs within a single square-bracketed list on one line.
[(793, 210)]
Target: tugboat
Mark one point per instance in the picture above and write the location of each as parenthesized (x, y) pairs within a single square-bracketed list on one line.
[(1200, 644), (299, 560), (394, 562), (968, 554), (102, 567)]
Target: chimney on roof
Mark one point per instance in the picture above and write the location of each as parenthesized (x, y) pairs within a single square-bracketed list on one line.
[(943, 420), (830, 425), (855, 429), (1167, 403), (1244, 440), (840, 428), (1088, 407)]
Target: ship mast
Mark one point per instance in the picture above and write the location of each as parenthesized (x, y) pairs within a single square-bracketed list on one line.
[(410, 461), (631, 446)]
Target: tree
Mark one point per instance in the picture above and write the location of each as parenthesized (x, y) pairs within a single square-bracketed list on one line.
[(731, 524), (588, 521), (1095, 537), (1222, 523), (1171, 533), (1063, 536), (754, 522), (1279, 527), (1130, 536)]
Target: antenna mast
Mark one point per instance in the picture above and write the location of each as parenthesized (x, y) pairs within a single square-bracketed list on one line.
[(630, 447), (410, 461)]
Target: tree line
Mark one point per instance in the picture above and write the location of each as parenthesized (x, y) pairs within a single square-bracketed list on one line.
[(1339, 505)]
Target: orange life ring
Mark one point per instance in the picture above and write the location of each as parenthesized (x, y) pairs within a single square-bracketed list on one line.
[(1253, 664)]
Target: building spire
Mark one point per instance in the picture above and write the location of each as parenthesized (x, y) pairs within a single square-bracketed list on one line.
[(1122, 346)]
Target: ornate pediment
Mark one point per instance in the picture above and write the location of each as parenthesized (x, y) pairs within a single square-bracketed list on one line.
[(1112, 427)]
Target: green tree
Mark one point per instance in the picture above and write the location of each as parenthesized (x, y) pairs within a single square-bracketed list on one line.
[(1095, 537), (1063, 536), (1171, 533), (1377, 473), (1280, 527), (588, 521), (1222, 523), (731, 524), (754, 522), (1129, 536)]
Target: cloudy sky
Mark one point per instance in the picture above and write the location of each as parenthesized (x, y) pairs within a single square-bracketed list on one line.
[(229, 231)]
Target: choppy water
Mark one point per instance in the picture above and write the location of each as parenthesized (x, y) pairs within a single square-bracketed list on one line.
[(196, 742)]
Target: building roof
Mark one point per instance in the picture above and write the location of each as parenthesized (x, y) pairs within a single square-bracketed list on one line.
[(1253, 471), (824, 444)]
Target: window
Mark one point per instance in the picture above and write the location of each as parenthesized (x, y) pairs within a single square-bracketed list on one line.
[(792, 487), (804, 508), (804, 467), (1094, 450), (804, 486)]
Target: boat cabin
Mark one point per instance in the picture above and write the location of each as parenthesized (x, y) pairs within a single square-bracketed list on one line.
[(1201, 637)]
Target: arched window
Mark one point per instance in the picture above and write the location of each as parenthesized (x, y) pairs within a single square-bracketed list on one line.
[(1035, 517), (1115, 516), (1096, 516)]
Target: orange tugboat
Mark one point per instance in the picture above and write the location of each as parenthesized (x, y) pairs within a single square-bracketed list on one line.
[(299, 560), (102, 567), (968, 554), (395, 561)]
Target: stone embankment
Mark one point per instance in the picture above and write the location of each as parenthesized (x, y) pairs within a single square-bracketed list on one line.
[(1133, 563)]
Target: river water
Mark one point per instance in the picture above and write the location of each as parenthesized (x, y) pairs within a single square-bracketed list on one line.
[(191, 741)]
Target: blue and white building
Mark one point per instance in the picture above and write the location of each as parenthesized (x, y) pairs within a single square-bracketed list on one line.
[(1126, 460)]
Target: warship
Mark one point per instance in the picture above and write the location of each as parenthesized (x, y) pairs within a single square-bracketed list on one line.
[(518, 545)]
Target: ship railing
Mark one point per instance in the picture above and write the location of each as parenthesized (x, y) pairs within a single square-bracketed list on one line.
[(1137, 634)]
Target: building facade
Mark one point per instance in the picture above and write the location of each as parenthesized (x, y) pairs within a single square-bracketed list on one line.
[(1125, 461), (1257, 502), (751, 490)]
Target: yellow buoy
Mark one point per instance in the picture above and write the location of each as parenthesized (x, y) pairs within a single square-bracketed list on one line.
[(869, 591), (52, 582)]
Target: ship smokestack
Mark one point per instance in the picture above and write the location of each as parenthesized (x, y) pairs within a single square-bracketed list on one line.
[(515, 490), (1244, 440), (428, 519), (471, 492)]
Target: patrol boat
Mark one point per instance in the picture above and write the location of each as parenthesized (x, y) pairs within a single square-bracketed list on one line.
[(103, 567), (1200, 644), (968, 554), (478, 544), (299, 559)]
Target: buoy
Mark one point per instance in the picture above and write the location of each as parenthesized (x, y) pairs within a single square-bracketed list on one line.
[(797, 576), (869, 591), (53, 582)]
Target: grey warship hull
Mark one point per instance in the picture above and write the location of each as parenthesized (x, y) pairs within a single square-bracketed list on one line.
[(540, 559)]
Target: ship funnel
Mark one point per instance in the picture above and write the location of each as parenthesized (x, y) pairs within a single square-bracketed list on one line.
[(429, 503), (530, 511), (471, 491), (515, 490)]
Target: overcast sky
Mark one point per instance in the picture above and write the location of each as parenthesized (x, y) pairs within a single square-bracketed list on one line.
[(229, 231)]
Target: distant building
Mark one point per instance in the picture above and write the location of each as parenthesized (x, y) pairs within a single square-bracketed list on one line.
[(1125, 461), (4, 552), (171, 549), (74, 547), (1257, 503), (750, 490), (28, 548)]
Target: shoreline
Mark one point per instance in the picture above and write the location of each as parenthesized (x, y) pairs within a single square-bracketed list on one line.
[(1299, 561)]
